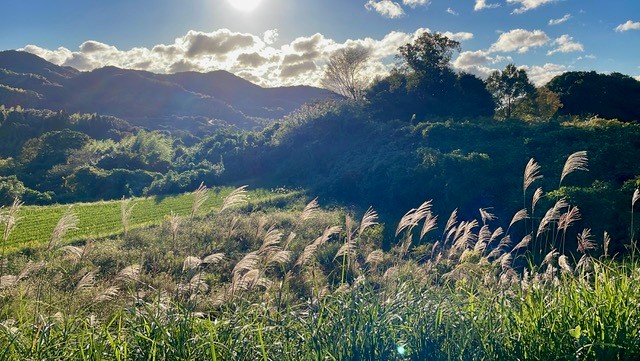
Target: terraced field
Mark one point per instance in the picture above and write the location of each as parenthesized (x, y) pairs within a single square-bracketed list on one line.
[(103, 219)]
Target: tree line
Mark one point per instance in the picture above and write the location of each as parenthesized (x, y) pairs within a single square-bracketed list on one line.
[(423, 85)]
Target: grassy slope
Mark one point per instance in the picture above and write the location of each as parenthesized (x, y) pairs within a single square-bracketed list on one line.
[(103, 219)]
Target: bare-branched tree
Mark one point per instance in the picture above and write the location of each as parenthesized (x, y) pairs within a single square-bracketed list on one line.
[(345, 72)]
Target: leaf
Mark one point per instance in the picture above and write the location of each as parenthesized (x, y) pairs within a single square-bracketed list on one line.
[(576, 332)]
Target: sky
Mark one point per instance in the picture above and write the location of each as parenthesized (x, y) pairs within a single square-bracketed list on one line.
[(288, 42)]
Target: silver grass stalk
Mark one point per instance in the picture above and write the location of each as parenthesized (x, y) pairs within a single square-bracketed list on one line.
[(524, 243), (67, 222), (531, 174), (375, 257), (519, 216), (237, 197), (270, 241), (537, 195), (87, 280), (125, 214), (213, 258), (290, 239), (369, 219), (497, 233), (11, 218), (568, 218), (606, 241), (552, 215), (430, 223), (563, 262), (486, 215), (451, 222), (576, 161), (310, 210), (635, 197), (131, 273), (190, 263), (505, 262), (174, 225), (585, 243), (107, 294), (200, 196)]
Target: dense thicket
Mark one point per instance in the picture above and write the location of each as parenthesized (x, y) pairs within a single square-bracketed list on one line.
[(611, 96)]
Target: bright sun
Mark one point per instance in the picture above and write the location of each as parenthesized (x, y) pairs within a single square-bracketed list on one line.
[(245, 5)]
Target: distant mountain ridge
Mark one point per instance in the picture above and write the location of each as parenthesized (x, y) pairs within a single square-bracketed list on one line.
[(145, 98)]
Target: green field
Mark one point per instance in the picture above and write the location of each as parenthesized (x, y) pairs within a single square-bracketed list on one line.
[(103, 219)]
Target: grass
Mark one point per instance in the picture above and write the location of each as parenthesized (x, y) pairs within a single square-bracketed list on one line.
[(104, 218), (306, 283)]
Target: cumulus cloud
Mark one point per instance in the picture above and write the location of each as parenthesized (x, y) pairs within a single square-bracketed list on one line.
[(559, 21), (478, 62), (250, 56), (526, 5), (270, 36), (629, 25), (541, 75), (251, 59), (218, 43), (452, 12), (565, 44), (519, 40), (385, 8), (414, 3), (482, 4), (461, 36), (637, 77)]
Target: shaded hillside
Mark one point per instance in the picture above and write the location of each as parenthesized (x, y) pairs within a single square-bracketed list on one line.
[(174, 101), (245, 96)]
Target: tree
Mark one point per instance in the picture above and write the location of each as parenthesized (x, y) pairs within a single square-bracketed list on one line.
[(540, 107), (508, 87), (429, 53), (607, 95), (344, 73)]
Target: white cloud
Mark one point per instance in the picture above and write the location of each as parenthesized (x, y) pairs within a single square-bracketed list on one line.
[(461, 36), (540, 75), (219, 42), (629, 25), (526, 5), (559, 21), (519, 40), (270, 36), (637, 77), (477, 62), (414, 3), (565, 44), (589, 56), (301, 61), (452, 12), (386, 8), (482, 4)]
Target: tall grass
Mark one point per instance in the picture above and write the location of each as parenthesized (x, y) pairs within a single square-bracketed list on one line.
[(311, 284)]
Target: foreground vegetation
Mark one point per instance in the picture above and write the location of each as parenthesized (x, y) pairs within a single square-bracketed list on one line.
[(262, 282)]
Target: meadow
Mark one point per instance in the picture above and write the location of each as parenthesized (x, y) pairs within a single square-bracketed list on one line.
[(297, 281), (104, 218)]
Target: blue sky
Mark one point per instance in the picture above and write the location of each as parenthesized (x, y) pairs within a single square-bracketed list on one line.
[(283, 42)]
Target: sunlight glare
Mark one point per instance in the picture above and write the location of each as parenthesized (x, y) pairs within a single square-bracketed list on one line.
[(245, 5)]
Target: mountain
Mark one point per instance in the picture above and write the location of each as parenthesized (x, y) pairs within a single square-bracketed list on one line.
[(145, 98)]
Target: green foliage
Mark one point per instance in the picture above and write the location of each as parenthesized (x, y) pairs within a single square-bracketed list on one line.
[(508, 87), (610, 96)]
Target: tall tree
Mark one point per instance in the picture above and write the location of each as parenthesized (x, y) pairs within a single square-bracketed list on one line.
[(345, 72), (508, 87), (429, 53)]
